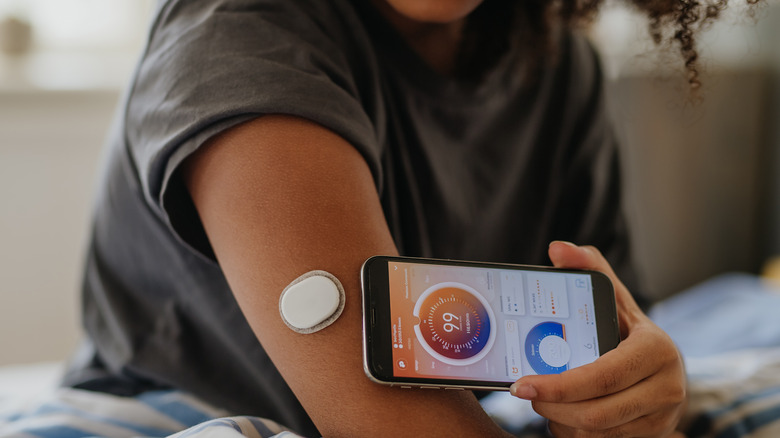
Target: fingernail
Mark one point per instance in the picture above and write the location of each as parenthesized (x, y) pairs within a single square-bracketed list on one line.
[(523, 390), (565, 242)]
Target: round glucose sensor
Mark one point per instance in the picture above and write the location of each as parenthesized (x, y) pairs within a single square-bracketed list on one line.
[(312, 302)]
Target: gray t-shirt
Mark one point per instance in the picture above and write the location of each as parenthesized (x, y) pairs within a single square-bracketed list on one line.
[(492, 172)]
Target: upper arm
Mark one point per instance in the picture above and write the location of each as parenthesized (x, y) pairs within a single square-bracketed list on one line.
[(280, 196)]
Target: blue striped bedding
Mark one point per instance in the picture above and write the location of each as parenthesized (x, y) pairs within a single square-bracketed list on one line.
[(72, 413), (727, 329)]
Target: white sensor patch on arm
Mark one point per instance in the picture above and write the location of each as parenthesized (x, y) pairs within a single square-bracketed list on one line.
[(312, 302)]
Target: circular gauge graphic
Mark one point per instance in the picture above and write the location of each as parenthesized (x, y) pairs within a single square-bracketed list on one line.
[(546, 348), (456, 323)]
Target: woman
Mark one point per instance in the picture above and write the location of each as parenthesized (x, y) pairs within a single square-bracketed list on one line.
[(262, 139)]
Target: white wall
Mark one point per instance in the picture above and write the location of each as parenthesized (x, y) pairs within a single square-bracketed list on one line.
[(49, 149), (697, 177), (56, 102)]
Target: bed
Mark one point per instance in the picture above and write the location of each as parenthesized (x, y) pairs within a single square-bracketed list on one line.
[(727, 328)]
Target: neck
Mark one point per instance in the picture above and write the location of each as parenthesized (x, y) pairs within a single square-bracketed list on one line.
[(436, 43)]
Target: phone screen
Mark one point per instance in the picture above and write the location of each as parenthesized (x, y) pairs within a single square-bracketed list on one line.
[(486, 323)]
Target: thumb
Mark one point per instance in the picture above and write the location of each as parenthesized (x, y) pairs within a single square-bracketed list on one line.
[(571, 256)]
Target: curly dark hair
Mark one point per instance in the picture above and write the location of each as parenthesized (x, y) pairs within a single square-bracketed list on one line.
[(497, 24)]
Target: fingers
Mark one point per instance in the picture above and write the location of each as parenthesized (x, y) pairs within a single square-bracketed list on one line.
[(657, 425), (626, 365), (654, 398)]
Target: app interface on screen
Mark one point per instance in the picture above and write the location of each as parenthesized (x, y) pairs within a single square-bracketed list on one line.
[(489, 324)]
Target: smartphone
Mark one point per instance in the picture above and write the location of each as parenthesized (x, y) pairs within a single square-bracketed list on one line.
[(472, 325)]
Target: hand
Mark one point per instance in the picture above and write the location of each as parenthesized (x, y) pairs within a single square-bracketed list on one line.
[(636, 390)]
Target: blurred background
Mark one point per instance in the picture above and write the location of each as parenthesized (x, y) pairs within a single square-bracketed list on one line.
[(702, 180), (63, 65)]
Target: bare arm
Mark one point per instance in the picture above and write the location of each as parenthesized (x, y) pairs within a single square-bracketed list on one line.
[(278, 197)]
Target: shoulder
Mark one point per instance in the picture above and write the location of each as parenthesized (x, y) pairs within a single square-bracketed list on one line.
[(212, 64), (208, 60), (257, 23)]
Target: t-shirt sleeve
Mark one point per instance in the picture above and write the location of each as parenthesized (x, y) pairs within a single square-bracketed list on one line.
[(210, 65)]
